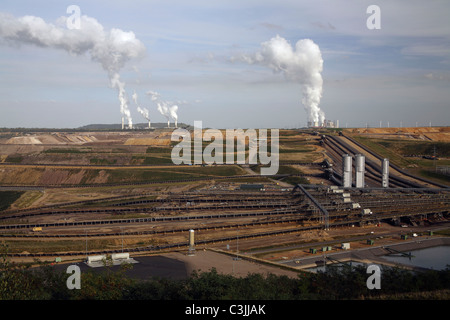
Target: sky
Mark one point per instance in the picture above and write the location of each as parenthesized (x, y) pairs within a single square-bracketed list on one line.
[(398, 75)]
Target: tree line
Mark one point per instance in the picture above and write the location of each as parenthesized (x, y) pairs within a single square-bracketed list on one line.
[(23, 282)]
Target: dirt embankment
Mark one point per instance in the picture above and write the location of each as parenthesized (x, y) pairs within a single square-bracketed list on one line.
[(421, 133)]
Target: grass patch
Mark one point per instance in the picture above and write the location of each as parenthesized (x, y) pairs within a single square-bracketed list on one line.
[(7, 198), (67, 151), (283, 169), (445, 232), (426, 148), (386, 152), (27, 199), (435, 176), (395, 149), (149, 160), (57, 245), (156, 160), (151, 175), (260, 179), (159, 150), (296, 180), (103, 162), (14, 159)]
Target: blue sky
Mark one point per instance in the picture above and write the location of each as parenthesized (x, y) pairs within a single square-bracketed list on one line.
[(397, 74)]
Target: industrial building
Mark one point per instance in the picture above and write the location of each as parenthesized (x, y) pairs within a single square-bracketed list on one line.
[(324, 124)]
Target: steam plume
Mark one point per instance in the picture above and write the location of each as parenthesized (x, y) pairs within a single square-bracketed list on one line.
[(143, 111), (302, 64), (167, 108), (111, 49)]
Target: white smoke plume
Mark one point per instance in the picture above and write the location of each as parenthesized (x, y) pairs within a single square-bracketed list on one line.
[(143, 111), (167, 108), (302, 64), (111, 49)]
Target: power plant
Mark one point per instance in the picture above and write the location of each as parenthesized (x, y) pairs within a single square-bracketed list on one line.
[(324, 124)]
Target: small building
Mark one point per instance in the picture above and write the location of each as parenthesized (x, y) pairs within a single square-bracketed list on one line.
[(356, 205)]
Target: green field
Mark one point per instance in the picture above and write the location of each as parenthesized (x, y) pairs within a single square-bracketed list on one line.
[(408, 154), (8, 197)]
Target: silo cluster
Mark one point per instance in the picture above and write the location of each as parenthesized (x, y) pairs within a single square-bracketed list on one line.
[(360, 164)]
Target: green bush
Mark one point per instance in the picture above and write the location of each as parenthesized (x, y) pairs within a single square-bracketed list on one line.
[(20, 282), (8, 197)]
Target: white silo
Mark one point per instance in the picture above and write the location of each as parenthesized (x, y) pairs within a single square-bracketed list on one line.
[(385, 173), (360, 170), (346, 171), (191, 242)]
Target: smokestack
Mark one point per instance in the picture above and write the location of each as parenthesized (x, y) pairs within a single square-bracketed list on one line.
[(346, 171), (166, 108), (122, 123), (360, 170), (143, 111), (385, 173)]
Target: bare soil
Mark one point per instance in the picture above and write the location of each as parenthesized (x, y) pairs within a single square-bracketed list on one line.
[(420, 133)]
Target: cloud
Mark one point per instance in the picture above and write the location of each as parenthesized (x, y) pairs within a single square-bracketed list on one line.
[(437, 77), (271, 26), (323, 26), (436, 50)]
